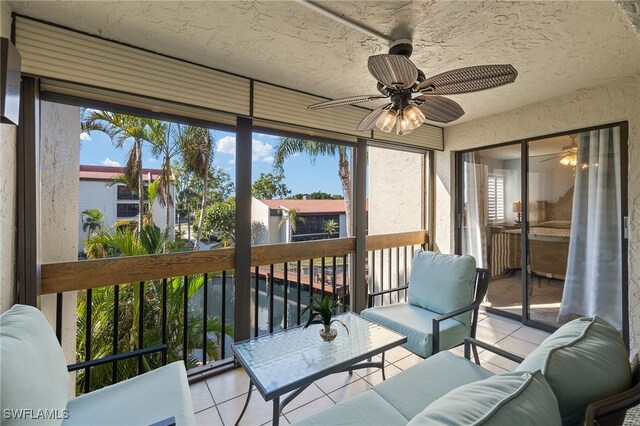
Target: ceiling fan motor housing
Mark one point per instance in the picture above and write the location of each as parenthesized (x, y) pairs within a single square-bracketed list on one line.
[(402, 47)]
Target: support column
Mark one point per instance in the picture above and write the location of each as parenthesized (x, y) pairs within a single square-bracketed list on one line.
[(28, 192), (358, 288), (242, 296)]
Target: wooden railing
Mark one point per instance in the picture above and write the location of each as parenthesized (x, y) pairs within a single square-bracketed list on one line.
[(81, 275)]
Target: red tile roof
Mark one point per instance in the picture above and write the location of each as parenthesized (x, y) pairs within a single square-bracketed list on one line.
[(307, 206), (108, 172)]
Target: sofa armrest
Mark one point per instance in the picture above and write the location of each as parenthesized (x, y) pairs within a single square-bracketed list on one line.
[(437, 320), (612, 408), (469, 341), (380, 293)]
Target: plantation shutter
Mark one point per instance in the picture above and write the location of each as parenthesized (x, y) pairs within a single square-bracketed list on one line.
[(495, 194)]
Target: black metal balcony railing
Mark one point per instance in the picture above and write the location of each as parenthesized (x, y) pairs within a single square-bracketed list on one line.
[(138, 313)]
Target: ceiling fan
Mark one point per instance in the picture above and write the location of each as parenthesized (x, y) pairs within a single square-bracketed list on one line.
[(399, 80), (569, 154)]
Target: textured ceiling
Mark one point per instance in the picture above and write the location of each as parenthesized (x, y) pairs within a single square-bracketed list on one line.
[(556, 46)]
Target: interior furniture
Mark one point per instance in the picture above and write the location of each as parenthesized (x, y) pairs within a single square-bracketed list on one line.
[(293, 359), (578, 375), (34, 377), (444, 293)]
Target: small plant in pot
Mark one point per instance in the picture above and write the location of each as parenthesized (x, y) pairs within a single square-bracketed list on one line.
[(322, 312)]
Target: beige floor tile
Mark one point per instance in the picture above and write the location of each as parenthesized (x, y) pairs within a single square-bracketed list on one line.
[(258, 412), (309, 394), (351, 390), (283, 421), (500, 325), (228, 385), (530, 335), (502, 362), (493, 368), (309, 409), (407, 362), (209, 417), (517, 346), (489, 335), (396, 354), (376, 377), (335, 381), (200, 396), (366, 371)]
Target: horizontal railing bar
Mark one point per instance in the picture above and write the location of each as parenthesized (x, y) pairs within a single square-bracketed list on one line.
[(385, 241), (292, 252), (118, 357), (82, 275)]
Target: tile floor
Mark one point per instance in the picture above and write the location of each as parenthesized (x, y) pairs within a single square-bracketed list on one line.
[(219, 400)]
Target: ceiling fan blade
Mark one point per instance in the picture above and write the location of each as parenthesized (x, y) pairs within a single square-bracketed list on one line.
[(395, 71), (346, 101), (469, 79), (438, 108), (369, 122)]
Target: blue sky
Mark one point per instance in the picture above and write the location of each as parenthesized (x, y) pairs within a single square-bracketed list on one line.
[(301, 176)]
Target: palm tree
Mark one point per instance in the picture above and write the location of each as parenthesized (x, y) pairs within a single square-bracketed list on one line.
[(164, 144), (92, 220), (121, 128), (291, 216), (330, 226), (196, 144), (290, 146)]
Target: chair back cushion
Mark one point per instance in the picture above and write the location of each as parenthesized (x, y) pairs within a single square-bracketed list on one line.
[(442, 282), (584, 360), (32, 366), (517, 398)]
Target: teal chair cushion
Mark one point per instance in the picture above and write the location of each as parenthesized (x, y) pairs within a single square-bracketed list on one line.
[(584, 360), (33, 369), (411, 391), (417, 324), (442, 282), (142, 400), (519, 398), (368, 408)]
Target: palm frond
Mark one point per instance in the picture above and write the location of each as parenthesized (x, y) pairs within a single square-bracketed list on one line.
[(290, 146)]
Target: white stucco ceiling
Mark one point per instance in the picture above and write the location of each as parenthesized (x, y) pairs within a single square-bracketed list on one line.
[(557, 47)]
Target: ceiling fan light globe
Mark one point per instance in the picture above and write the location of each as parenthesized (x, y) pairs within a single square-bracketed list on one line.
[(387, 121), (403, 127), (565, 161), (414, 116)]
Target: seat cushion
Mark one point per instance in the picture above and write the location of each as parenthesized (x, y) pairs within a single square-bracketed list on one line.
[(368, 408), (33, 369), (442, 282), (519, 398), (411, 391), (417, 324), (142, 400), (584, 360)]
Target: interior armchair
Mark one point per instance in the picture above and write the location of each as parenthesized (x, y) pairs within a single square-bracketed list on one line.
[(444, 294)]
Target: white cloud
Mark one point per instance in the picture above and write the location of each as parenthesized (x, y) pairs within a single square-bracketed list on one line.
[(227, 145), (232, 161), (84, 136), (109, 162), (261, 151)]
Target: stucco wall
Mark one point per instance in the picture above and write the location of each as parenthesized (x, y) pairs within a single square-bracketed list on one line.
[(615, 101), (59, 163), (7, 192), (394, 206)]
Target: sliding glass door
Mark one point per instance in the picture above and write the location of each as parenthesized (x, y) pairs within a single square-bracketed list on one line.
[(546, 217)]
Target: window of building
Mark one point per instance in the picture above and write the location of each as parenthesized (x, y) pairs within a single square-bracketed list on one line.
[(316, 227), (127, 210), (495, 197), (125, 193)]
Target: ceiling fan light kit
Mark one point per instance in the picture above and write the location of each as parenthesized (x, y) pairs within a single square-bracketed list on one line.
[(399, 80)]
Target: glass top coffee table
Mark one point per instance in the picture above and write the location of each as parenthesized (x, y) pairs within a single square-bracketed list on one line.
[(293, 359)]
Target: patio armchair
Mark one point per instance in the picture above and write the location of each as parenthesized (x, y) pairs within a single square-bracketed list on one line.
[(443, 297), (34, 384)]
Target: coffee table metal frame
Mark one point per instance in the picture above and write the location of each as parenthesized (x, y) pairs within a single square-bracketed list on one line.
[(389, 340)]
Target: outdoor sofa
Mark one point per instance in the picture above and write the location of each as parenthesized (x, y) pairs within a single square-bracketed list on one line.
[(580, 372)]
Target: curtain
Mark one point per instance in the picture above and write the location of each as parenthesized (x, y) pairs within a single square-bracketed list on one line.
[(474, 234), (593, 284)]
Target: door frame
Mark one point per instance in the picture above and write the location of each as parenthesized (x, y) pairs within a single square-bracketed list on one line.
[(524, 169)]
